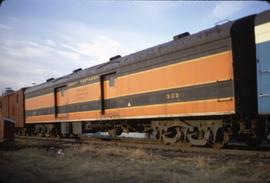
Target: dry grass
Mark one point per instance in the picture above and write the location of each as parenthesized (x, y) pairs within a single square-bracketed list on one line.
[(202, 162), (137, 153), (35, 162)]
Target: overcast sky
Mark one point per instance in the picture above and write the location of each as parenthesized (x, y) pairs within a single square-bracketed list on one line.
[(50, 38)]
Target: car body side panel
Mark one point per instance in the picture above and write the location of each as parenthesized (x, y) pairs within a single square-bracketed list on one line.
[(262, 34)]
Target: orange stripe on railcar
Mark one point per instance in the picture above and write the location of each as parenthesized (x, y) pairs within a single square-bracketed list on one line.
[(202, 70), (42, 101), (42, 118), (195, 108), (197, 71), (181, 108)]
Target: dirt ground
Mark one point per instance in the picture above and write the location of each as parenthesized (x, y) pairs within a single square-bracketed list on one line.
[(34, 161)]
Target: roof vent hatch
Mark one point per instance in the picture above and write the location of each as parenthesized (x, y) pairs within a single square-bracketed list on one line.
[(180, 36)]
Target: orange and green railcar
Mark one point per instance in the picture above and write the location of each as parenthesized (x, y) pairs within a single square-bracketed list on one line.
[(198, 88)]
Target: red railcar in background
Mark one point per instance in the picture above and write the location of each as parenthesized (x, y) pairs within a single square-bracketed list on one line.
[(12, 107), (7, 129)]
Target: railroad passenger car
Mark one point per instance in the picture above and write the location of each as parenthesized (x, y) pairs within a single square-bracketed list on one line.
[(7, 129), (262, 31), (203, 88), (262, 35)]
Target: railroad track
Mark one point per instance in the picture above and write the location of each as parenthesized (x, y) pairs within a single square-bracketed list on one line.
[(153, 145)]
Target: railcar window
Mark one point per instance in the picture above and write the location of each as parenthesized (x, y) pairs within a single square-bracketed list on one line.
[(112, 81), (62, 92)]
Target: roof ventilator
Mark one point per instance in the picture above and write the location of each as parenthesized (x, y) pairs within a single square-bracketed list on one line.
[(180, 36), (115, 57), (50, 79), (77, 70)]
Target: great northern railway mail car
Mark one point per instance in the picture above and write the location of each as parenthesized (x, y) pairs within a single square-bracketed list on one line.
[(201, 88)]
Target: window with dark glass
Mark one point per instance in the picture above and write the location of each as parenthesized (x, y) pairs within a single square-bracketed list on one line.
[(112, 81), (62, 92)]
